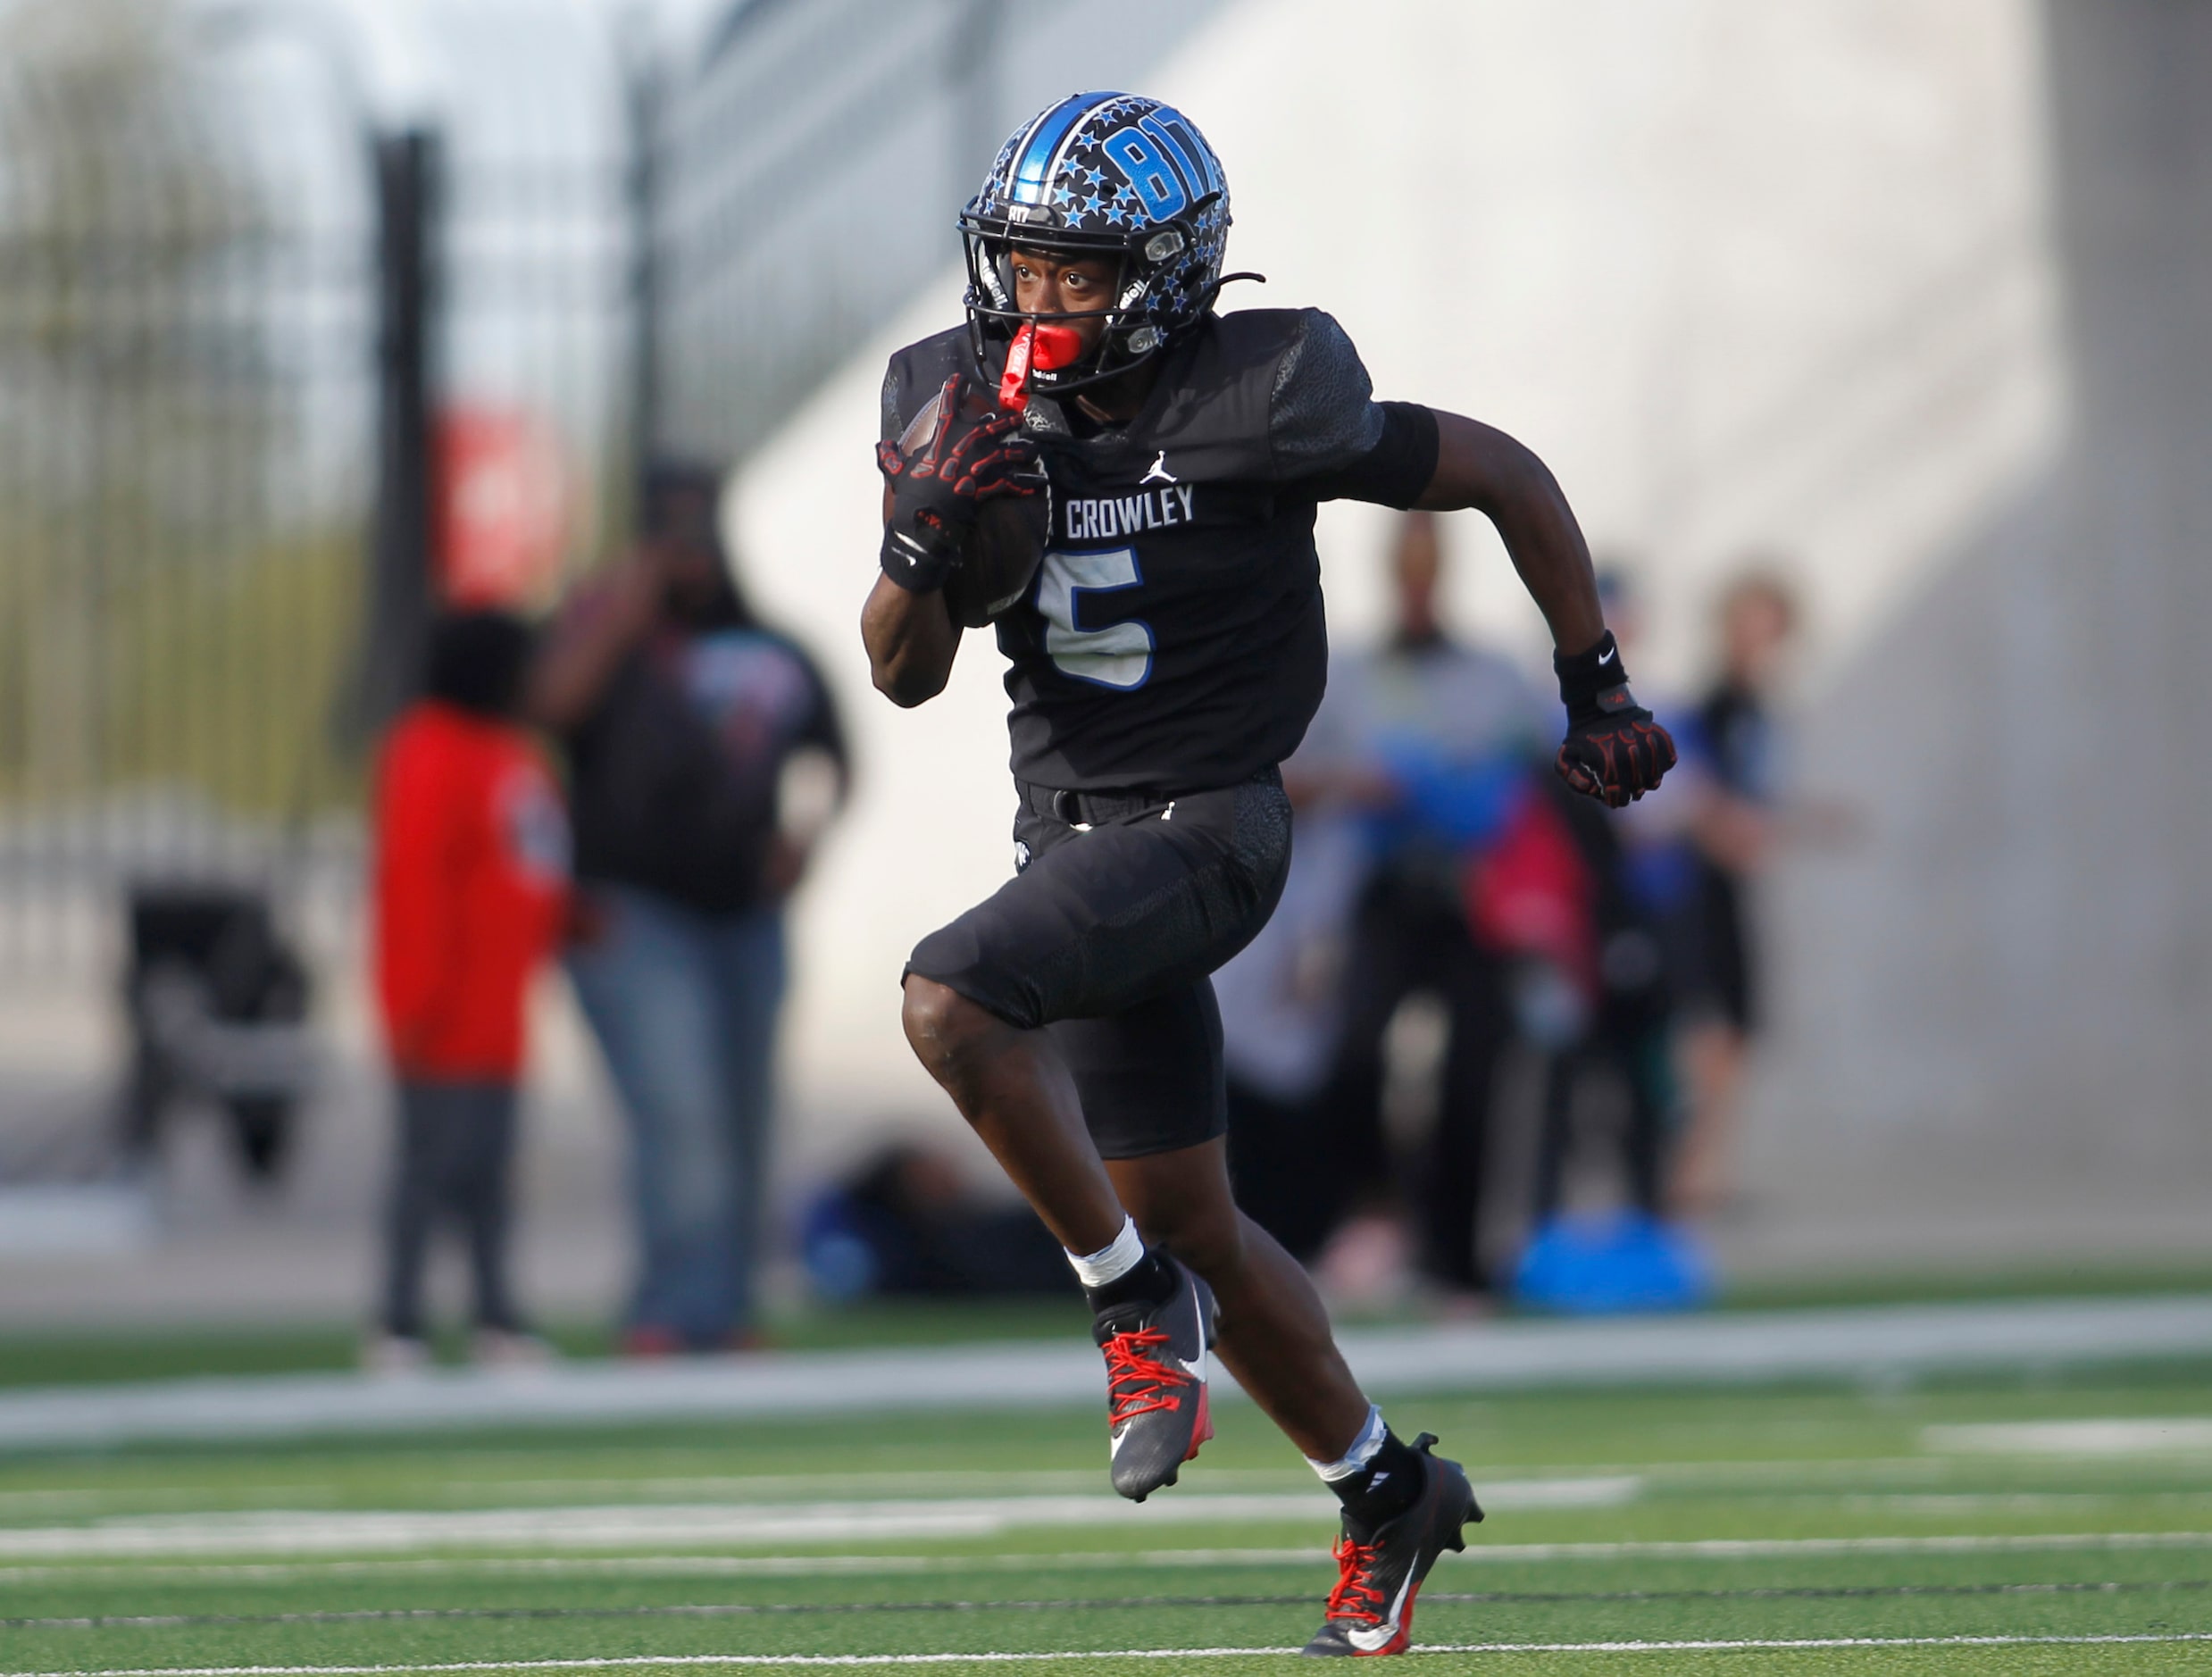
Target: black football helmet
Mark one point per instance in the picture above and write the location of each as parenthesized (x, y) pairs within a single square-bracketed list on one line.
[(1101, 174)]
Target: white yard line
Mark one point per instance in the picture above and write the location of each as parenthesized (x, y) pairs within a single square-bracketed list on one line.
[(664, 1525), (443, 1490), (419, 1489), (659, 1526), (2135, 1436), (1092, 1560), (635, 1661), (1755, 1548), (1984, 1502), (1723, 1348)]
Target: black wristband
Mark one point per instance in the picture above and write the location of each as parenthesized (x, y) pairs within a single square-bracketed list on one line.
[(1593, 683), (914, 566)]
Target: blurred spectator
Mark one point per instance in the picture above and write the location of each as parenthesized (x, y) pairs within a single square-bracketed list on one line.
[(706, 759), (471, 880), (1618, 1254), (1434, 740), (1639, 870), (1584, 896), (1282, 1011), (905, 1223), (1539, 898), (1737, 822)]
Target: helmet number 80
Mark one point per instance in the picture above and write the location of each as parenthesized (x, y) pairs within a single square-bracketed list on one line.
[(1119, 655)]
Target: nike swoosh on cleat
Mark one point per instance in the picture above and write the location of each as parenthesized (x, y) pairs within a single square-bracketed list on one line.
[(1375, 1640), (1372, 1641)]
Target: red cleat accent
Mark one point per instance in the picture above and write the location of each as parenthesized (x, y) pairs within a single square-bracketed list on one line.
[(1371, 1610), (1157, 1411), (1137, 1382), (1358, 1597)]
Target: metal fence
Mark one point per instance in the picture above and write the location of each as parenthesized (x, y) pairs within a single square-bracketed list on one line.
[(800, 181), (236, 314), (187, 405), (799, 185)]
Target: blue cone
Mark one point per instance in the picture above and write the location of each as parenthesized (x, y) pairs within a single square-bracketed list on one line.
[(1613, 1263)]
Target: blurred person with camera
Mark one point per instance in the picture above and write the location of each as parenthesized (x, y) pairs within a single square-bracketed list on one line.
[(1742, 815), (471, 880), (706, 759)]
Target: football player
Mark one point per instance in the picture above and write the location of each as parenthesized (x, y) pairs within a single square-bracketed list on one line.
[(1166, 655)]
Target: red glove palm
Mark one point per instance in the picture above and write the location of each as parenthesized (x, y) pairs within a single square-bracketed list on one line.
[(938, 488)]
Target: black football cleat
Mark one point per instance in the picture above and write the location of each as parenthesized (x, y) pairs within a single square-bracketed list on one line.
[(1371, 1610), (1156, 1383)]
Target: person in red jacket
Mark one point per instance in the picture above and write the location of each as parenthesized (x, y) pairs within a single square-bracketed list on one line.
[(471, 888)]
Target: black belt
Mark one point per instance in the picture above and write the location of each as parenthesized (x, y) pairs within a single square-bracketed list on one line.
[(1088, 809)]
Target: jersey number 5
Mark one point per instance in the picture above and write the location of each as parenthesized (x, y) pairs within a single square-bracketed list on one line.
[(1119, 655)]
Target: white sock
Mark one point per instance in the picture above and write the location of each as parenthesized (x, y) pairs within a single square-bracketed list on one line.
[(1111, 1263), (1363, 1450)]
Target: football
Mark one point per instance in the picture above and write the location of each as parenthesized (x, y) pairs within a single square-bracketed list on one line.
[(1009, 538), (1002, 556)]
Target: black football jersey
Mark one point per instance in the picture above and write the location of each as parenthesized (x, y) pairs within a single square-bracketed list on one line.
[(1173, 639)]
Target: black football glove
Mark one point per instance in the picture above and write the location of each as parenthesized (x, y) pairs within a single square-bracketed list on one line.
[(937, 490), (1614, 750)]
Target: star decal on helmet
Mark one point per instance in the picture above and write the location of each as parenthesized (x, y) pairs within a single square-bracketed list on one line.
[(1102, 175)]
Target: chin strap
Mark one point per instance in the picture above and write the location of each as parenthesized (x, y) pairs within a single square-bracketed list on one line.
[(1215, 290)]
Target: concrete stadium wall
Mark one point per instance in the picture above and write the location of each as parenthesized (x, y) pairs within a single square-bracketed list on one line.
[(1746, 275), (1996, 1025)]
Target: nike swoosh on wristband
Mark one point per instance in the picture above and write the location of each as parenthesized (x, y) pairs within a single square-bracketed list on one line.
[(1608, 655)]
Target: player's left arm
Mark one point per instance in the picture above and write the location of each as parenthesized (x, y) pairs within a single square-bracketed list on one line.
[(1615, 749), (1325, 428), (1480, 468)]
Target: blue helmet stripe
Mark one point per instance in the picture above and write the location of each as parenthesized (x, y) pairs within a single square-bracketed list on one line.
[(1032, 170)]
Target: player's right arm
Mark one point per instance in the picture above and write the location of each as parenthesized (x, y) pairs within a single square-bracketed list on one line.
[(910, 638), (938, 470)]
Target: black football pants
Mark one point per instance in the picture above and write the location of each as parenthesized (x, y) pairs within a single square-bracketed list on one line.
[(1120, 910)]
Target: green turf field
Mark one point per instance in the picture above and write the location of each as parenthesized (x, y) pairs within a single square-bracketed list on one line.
[(1949, 1528)]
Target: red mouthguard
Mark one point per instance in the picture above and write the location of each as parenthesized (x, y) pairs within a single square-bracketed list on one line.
[(1048, 348)]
